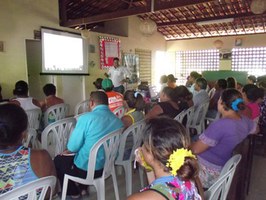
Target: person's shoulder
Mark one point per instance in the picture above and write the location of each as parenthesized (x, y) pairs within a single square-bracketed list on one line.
[(148, 194), (40, 153)]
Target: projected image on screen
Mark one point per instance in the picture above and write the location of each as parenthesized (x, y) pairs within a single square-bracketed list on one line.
[(63, 52)]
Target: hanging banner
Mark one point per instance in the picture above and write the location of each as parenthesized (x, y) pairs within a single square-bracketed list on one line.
[(109, 49)]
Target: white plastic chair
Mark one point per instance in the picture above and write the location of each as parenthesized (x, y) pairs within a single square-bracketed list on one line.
[(186, 113), (199, 115), (180, 117), (110, 143), (210, 120), (34, 118), (220, 188), (55, 136), (56, 112), (82, 107), (33, 190), (133, 132), (119, 112), (31, 139)]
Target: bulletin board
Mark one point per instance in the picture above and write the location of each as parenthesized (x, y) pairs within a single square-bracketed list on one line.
[(109, 49)]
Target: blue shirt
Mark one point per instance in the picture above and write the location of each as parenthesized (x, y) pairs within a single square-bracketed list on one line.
[(89, 129)]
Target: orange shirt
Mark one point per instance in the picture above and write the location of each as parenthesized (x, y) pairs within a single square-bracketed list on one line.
[(115, 100)]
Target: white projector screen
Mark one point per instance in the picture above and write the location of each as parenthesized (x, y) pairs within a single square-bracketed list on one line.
[(63, 52)]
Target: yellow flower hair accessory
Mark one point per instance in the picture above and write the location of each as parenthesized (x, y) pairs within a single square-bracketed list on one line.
[(177, 159)]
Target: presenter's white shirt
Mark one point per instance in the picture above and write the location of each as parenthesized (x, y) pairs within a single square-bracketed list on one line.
[(118, 74)]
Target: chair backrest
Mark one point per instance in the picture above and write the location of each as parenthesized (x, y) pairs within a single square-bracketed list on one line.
[(199, 114), (33, 190), (31, 138), (180, 117), (56, 112), (220, 188), (34, 118), (186, 113), (55, 136), (82, 107), (133, 132), (110, 144), (119, 112)]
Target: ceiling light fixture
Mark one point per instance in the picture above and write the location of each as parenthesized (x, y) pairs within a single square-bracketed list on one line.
[(215, 21)]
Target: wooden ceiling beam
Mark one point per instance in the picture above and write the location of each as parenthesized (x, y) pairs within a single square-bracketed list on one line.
[(105, 17), (204, 20), (159, 5)]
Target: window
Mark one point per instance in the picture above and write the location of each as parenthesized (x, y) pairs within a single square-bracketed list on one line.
[(251, 60), (199, 60), (145, 64)]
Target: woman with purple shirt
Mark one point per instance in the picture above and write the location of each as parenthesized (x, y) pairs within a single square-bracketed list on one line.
[(216, 144)]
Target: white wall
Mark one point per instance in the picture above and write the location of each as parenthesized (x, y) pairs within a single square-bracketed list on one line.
[(19, 19)]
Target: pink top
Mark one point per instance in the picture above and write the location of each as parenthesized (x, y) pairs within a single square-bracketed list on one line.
[(255, 110)]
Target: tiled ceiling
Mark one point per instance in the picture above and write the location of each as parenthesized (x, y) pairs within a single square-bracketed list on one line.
[(175, 19)]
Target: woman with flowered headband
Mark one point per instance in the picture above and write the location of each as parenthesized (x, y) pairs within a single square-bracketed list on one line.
[(216, 144), (171, 167)]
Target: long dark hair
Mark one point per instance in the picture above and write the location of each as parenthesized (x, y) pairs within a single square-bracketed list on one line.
[(13, 122), (161, 137), (134, 100), (232, 99)]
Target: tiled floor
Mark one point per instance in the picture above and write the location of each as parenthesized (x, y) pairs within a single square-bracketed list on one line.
[(109, 192), (257, 185), (258, 179)]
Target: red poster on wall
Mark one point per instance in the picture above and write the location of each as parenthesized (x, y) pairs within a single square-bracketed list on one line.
[(109, 49)]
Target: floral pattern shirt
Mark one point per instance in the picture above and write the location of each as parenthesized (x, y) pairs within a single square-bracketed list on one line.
[(172, 188)]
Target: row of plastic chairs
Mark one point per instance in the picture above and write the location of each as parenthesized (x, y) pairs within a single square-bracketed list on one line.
[(219, 190), (114, 145), (52, 114), (195, 117), (55, 136), (32, 191)]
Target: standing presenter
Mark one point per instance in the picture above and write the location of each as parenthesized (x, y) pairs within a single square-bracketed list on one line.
[(118, 74)]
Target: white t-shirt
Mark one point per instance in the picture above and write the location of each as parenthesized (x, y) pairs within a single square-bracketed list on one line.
[(118, 74)]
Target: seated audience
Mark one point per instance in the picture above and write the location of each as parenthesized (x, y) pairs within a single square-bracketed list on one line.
[(220, 86), (262, 119), (167, 106), (171, 81), (21, 97), (136, 105), (252, 96), (19, 165), (171, 167), (201, 96), (50, 100), (115, 99), (98, 84), (251, 79), (192, 80), (216, 144), (163, 82), (239, 86), (231, 82), (184, 96), (90, 128)]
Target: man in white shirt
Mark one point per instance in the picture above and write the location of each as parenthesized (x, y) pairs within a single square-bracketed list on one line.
[(118, 75)]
